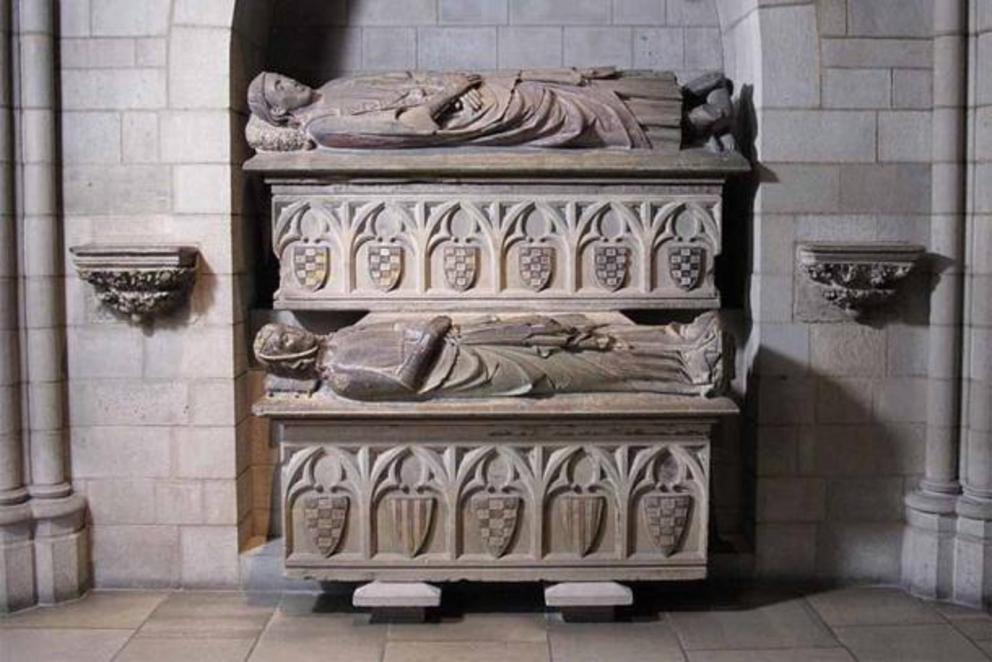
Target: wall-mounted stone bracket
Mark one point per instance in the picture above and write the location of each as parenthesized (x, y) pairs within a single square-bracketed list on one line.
[(856, 277), (140, 282)]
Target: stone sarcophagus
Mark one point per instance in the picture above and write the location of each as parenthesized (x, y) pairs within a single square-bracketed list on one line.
[(570, 488), (495, 416)]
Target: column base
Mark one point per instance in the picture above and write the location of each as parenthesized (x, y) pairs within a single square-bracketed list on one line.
[(928, 547), (973, 553), (44, 552), (17, 588)]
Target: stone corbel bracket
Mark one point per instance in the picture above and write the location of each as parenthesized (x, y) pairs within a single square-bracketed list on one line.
[(856, 277), (140, 282)]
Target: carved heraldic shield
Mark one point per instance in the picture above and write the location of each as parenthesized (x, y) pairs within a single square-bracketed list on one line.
[(667, 517), (325, 518), (582, 517), (461, 263), (686, 264), (385, 265), (497, 517), (311, 265), (412, 520), (612, 264), (536, 265)]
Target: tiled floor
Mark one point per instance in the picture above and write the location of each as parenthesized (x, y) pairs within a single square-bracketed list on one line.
[(708, 625)]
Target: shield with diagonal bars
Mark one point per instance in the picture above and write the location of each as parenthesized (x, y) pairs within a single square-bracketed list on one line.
[(582, 517), (413, 516)]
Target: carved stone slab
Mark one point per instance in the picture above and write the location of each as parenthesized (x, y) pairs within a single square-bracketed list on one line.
[(493, 494), (403, 246)]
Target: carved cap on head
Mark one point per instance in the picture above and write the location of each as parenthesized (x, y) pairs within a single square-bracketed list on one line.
[(272, 97), (287, 350)]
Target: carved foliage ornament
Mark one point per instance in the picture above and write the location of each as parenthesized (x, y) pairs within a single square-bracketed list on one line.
[(856, 277), (139, 282)]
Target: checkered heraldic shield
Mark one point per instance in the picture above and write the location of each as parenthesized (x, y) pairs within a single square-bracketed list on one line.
[(461, 263), (325, 518), (311, 265), (497, 518), (536, 264), (667, 517), (686, 265), (612, 263), (385, 264)]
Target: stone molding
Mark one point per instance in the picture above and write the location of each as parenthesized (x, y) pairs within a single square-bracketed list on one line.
[(857, 277), (139, 282)]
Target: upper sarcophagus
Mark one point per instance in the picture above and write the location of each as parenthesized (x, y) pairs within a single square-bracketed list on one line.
[(552, 190), (562, 230)]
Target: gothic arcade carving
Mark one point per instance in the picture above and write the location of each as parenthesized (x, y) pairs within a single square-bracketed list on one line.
[(377, 249), (455, 504)]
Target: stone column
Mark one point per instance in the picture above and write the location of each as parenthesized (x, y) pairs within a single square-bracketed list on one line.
[(928, 549), (59, 536), (16, 547), (43, 332), (973, 543)]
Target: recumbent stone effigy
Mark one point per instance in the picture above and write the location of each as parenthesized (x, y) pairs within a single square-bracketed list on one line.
[(495, 416)]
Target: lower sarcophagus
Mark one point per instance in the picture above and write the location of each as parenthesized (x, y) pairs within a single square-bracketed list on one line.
[(513, 490)]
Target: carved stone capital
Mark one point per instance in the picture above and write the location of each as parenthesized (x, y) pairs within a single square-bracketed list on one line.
[(858, 276), (139, 282)]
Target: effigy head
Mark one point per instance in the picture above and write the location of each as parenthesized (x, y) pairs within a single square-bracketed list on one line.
[(272, 97), (287, 351)]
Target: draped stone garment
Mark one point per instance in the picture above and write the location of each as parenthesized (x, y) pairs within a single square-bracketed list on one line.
[(533, 355), (362, 112)]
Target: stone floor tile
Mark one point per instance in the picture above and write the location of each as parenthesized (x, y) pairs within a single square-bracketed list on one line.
[(171, 649), (476, 627), (209, 615), (789, 624), (987, 647), (872, 606), (976, 629), (327, 638), (774, 655), (908, 643), (59, 645), (97, 609), (954, 612), (465, 651), (614, 642)]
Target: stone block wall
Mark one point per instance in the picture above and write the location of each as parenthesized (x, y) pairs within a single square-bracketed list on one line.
[(316, 40), (177, 474), (837, 408), (152, 148)]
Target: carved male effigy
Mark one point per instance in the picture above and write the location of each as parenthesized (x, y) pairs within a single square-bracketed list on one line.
[(548, 108), (531, 355)]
